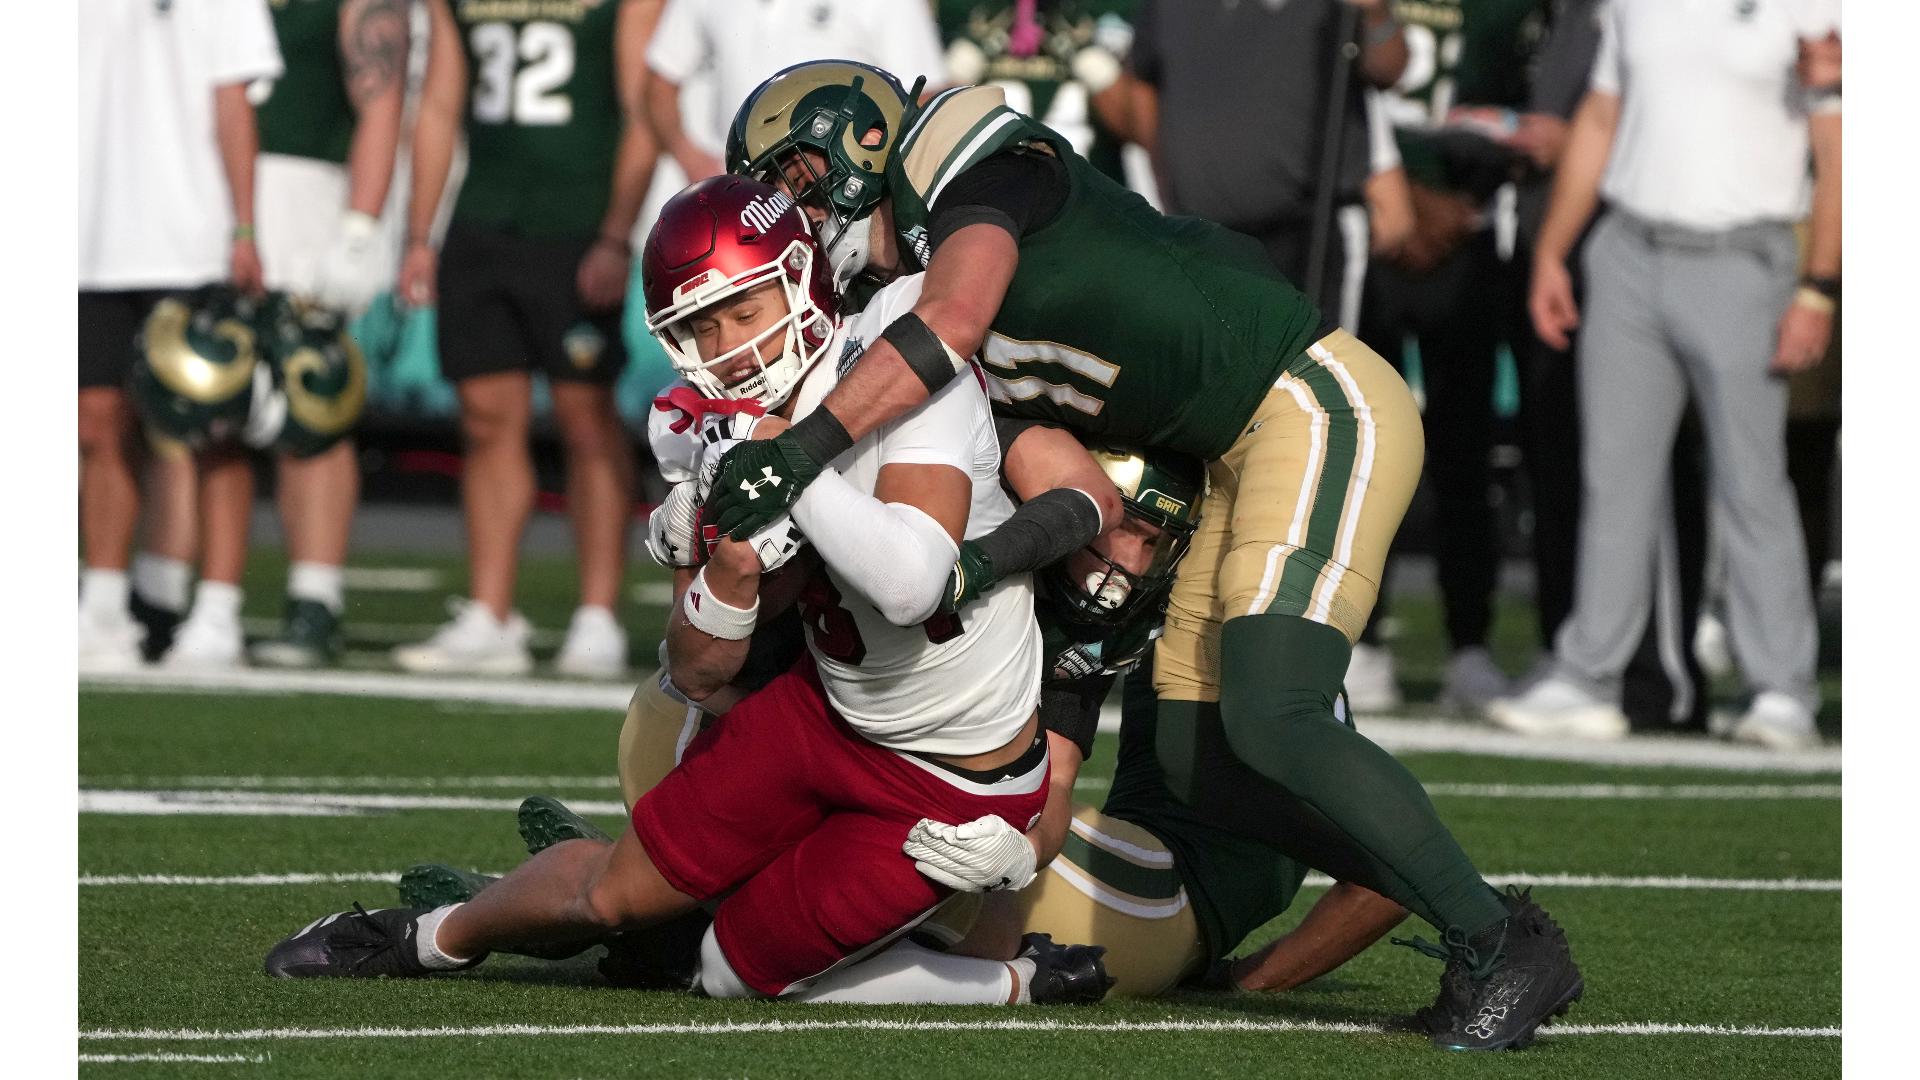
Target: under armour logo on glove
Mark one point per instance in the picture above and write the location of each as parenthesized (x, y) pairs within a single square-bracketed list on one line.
[(752, 487)]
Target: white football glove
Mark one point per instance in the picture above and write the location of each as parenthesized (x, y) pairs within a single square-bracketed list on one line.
[(670, 529), (983, 855), (352, 272)]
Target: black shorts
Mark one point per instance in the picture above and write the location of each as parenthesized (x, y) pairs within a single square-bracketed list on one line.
[(110, 324), (509, 303)]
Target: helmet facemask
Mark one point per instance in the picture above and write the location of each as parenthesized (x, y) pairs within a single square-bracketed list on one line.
[(803, 333)]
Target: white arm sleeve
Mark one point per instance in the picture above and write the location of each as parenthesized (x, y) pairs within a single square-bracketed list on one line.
[(893, 554), (1608, 75), (677, 49)]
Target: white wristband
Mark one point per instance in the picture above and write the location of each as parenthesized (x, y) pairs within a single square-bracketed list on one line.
[(712, 615)]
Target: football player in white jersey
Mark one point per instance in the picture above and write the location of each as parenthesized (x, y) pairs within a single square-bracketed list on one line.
[(809, 787)]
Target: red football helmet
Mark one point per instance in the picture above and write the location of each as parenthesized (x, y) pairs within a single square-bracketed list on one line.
[(717, 239)]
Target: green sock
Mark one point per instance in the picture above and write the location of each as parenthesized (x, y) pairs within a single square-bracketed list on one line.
[(1311, 785)]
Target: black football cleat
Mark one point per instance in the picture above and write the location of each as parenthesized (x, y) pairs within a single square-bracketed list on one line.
[(432, 885), (357, 944), (1504, 983), (546, 821), (1065, 974)]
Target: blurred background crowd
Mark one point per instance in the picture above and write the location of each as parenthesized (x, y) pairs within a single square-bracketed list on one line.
[(1618, 311)]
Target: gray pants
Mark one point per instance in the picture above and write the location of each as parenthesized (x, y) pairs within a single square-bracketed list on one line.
[(1670, 312)]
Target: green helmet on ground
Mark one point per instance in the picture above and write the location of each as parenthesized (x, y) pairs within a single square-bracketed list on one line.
[(198, 354), (850, 114), (1109, 607)]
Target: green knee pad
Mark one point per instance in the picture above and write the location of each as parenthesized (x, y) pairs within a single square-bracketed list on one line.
[(1278, 671)]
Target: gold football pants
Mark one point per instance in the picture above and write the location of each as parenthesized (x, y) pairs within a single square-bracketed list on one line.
[(1299, 512), (658, 728), (1113, 884)]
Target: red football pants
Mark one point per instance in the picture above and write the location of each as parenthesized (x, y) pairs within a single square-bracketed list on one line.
[(783, 799)]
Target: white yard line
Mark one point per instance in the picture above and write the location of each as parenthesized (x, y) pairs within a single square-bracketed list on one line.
[(1565, 881), (527, 693), (418, 783), (409, 579), (298, 804), (784, 1027), (201, 1059), (1576, 792)]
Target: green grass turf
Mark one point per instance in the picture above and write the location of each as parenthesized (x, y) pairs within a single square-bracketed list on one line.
[(188, 956)]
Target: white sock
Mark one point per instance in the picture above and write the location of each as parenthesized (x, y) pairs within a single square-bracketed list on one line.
[(103, 590), (717, 979), (216, 600), (908, 974), (1025, 970), (161, 581), (427, 948), (319, 582)]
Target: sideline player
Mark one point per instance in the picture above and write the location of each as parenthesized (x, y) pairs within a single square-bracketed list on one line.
[(532, 276), (329, 131), (1095, 311), (898, 713)]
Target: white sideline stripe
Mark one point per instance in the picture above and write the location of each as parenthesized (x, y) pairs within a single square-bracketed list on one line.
[(1565, 881), (298, 803), (391, 578), (531, 693), (1399, 735), (544, 783), (1729, 792), (654, 593), (1402, 735), (778, 1027), (385, 633), (203, 1059)]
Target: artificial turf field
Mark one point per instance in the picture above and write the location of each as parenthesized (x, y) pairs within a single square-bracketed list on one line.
[(1693, 897)]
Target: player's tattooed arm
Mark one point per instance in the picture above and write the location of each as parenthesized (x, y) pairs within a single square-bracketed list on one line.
[(373, 60)]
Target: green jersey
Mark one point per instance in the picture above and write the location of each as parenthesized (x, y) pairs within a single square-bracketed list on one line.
[(1235, 885), (1460, 52), (1043, 85), (305, 112), (543, 115), (1120, 322)]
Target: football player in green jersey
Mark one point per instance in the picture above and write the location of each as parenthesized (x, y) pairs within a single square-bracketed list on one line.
[(329, 130), (1093, 310), (532, 277)]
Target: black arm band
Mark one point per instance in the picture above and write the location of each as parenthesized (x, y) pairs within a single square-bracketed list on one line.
[(821, 436), (1072, 710), (924, 352), (1046, 528)]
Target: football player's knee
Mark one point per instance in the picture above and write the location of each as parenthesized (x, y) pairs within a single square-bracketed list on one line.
[(717, 979), (104, 423), (1279, 672), (485, 424)]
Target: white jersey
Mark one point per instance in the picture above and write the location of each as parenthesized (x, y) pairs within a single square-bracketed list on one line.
[(960, 684), (955, 685)]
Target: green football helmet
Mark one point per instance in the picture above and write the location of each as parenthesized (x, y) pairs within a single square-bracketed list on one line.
[(850, 114), (319, 371), (1106, 602), (193, 380)]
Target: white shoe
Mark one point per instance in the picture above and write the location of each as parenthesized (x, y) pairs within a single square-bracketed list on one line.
[(1555, 707), (205, 644), (1712, 647), (109, 642), (1474, 680), (1372, 686), (473, 642), (1776, 722), (596, 647)]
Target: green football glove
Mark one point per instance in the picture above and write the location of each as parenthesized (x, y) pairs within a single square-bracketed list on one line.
[(757, 482), (970, 579)]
